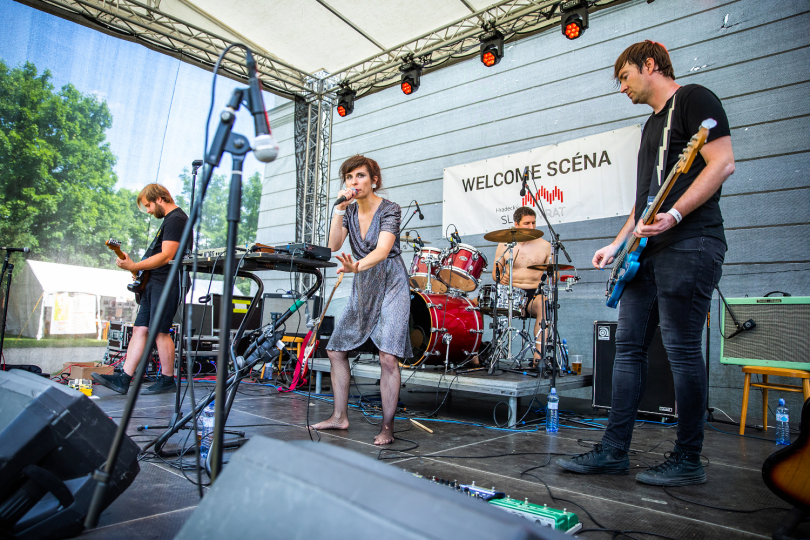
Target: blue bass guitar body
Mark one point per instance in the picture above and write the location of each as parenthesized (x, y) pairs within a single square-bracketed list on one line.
[(627, 271)]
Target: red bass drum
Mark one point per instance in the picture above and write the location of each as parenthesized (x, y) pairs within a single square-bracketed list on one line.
[(440, 322)]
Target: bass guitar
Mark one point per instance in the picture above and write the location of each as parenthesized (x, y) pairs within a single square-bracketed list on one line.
[(139, 279), (626, 262), (311, 342)]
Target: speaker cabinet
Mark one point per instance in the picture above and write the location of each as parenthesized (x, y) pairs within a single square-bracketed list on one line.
[(659, 394), (781, 337), (318, 490), (52, 439)]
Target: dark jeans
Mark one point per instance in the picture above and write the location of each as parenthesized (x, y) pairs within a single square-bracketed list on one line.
[(673, 287)]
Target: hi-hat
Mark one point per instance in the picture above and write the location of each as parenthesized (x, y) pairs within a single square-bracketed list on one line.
[(513, 235), (551, 267), (411, 239)]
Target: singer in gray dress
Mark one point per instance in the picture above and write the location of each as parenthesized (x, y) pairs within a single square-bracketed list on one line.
[(379, 306)]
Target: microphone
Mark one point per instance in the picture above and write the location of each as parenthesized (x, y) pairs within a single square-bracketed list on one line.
[(21, 250), (419, 240), (265, 147), (747, 325), (268, 343), (421, 216), (196, 164), (455, 236), (342, 198), (525, 181)]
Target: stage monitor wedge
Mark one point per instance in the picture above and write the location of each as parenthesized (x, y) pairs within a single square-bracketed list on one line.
[(52, 439), (318, 490)]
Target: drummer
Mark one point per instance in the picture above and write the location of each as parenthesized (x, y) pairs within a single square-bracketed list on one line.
[(537, 251)]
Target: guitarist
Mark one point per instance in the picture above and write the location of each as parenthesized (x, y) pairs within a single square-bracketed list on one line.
[(680, 265), (156, 200)]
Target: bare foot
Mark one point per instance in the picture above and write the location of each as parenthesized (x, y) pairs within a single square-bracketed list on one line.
[(385, 436), (333, 422)]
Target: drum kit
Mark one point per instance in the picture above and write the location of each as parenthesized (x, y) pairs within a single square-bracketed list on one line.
[(447, 326)]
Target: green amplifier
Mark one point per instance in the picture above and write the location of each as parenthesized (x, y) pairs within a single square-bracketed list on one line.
[(560, 520), (779, 338)]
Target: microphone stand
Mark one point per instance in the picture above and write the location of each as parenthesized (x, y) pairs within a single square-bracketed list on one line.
[(7, 266), (223, 141), (556, 247)]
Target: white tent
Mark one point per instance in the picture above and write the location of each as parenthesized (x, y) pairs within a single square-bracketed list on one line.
[(73, 293)]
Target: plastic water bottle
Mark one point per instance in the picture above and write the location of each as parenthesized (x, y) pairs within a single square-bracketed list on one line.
[(552, 412), (205, 427), (782, 424), (567, 356)]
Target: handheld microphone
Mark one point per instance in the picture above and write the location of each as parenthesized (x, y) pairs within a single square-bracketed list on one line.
[(525, 181), (421, 216), (342, 198), (196, 164), (21, 250), (265, 147)]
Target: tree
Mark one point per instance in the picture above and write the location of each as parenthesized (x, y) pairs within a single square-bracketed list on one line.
[(57, 184)]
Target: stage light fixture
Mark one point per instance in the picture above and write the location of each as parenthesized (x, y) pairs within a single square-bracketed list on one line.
[(410, 78), (491, 48), (574, 18), (345, 101)]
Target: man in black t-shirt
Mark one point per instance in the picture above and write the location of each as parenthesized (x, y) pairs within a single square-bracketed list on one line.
[(680, 265), (156, 200)]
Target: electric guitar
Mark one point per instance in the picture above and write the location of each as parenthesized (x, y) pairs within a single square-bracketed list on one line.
[(626, 262), (139, 279), (787, 471), (311, 342)]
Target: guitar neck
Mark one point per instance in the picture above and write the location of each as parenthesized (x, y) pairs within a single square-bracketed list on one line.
[(648, 216), (120, 255), (328, 301)]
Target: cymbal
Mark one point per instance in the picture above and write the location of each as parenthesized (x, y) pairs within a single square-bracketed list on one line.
[(550, 267), (513, 235), (411, 239)]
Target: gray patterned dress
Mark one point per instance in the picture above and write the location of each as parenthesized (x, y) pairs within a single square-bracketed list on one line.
[(380, 304)]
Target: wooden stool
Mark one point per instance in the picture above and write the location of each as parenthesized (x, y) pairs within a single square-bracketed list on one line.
[(765, 385)]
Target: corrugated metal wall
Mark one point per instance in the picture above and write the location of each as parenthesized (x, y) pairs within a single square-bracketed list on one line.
[(752, 54)]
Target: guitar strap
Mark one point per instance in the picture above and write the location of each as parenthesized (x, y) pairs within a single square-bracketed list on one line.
[(663, 154), (148, 253)]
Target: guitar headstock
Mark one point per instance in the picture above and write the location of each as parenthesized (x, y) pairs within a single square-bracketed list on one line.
[(112, 243), (339, 279), (695, 144)]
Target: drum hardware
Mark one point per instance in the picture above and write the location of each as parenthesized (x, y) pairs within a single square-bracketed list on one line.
[(412, 239), (438, 306), (472, 308), (476, 331), (438, 330)]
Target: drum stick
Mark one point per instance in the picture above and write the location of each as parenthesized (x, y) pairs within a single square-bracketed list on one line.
[(420, 426)]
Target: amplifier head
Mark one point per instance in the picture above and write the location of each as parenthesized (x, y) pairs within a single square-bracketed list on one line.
[(781, 337)]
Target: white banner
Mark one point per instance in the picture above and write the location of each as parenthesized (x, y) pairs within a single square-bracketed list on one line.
[(73, 313), (589, 178)]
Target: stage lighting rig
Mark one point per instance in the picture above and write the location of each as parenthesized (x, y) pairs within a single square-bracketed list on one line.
[(410, 78), (345, 101), (574, 18), (491, 48)]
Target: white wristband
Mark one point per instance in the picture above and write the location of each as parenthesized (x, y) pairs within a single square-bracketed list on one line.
[(343, 212), (677, 215)]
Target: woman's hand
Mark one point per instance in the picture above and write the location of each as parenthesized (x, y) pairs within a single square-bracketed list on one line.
[(350, 194), (349, 266)]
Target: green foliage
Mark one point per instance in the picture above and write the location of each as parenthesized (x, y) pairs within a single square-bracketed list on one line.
[(57, 185)]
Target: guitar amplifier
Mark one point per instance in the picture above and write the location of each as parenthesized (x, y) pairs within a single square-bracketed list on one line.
[(659, 394), (780, 338)]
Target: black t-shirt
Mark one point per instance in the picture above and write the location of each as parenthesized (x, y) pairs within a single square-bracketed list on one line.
[(173, 225), (693, 104)]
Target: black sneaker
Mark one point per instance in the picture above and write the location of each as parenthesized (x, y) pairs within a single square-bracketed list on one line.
[(117, 382), (163, 386), (679, 469), (601, 460)]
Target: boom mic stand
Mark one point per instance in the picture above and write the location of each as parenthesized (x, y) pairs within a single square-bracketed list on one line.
[(7, 267), (556, 247)]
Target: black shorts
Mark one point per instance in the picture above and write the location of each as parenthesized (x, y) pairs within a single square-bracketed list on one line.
[(530, 296), (149, 303)]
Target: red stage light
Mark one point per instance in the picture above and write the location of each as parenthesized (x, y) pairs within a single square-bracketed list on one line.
[(342, 110), (407, 88), (489, 59), (573, 30)]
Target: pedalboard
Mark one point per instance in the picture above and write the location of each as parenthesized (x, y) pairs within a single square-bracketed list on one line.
[(544, 516)]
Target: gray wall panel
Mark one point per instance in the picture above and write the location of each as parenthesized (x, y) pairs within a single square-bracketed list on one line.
[(548, 89)]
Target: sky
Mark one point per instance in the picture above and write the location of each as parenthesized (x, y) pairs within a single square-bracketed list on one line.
[(159, 104)]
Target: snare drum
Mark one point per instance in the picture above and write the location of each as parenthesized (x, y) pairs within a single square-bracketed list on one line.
[(462, 267), (420, 268), (443, 325), (490, 306)]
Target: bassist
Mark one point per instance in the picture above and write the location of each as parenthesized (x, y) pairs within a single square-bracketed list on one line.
[(156, 200), (680, 266)]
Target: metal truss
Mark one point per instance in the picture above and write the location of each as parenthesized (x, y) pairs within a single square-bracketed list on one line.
[(457, 39), (146, 23)]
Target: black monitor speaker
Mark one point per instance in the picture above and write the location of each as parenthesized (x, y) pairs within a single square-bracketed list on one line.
[(52, 439), (659, 394), (318, 490)]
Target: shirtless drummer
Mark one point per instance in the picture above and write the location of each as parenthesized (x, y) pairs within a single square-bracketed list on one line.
[(536, 251)]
